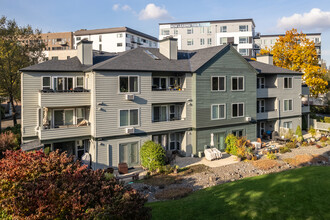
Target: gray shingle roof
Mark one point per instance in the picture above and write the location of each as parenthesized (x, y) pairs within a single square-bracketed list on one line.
[(139, 60), (264, 68), (70, 65)]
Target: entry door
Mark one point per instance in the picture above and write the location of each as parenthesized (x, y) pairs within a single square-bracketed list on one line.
[(262, 128), (219, 141), (129, 153)]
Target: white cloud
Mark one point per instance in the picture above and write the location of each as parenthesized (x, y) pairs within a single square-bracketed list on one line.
[(115, 7), (126, 8), (151, 11), (316, 19)]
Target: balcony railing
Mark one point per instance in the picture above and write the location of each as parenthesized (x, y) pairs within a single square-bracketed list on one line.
[(267, 115), (64, 132), (70, 98)]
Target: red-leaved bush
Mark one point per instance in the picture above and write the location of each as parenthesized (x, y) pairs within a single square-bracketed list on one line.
[(38, 186), (8, 141)]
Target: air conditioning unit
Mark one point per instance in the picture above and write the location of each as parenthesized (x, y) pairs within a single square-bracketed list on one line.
[(129, 130), (129, 97), (247, 118)]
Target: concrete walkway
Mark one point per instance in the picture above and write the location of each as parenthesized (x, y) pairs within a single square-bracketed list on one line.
[(189, 161)]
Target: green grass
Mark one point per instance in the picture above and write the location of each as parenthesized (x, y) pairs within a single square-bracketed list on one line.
[(295, 194)]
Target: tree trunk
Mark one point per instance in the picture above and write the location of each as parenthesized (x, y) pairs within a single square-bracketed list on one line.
[(11, 100)]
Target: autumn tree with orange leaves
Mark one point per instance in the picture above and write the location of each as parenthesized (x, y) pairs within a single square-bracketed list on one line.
[(295, 52)]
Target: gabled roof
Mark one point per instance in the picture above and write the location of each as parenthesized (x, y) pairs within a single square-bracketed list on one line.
[(70, 65), (139, 60), (264, 68)]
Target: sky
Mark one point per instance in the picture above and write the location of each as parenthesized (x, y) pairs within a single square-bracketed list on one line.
[(270, 16)]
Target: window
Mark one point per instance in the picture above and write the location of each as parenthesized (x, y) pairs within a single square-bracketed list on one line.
[(260, 82), (119, 35), (175, 141), (288, 105), (129, 117), (261, 105), (165, 32), (317, 40), (190, 42), (63, 83), (218, 83), (46, 82), (209, 41), (63, 117), (287, 124), (176, 31), (167, 112), (202, 30), (218, 111), (243, 28), (237, 110), (159, 83), (243, 40), (100, 47), (244, 52), (78, 38), (223, 40), (190, 31), (238, 133), (55, 58), (287, 82), (119, 44), (67, 57), (160, 139), (237, 83), (202, 41), (80, 81), (209, 31), (223, 28), (128, 84), (100, 38)]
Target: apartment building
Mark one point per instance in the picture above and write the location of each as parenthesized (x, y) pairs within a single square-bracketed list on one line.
[(115, 39), (58, 41), (202, 34), (109, 106), (268, 41)]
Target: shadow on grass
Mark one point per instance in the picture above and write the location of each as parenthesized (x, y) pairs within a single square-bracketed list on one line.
[(295, 194)]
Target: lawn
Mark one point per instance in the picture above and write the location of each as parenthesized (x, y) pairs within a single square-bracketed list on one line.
[(295, 194)]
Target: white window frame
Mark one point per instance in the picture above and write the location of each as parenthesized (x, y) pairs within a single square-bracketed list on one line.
[(160, 107), (238, 90), (74, 121), (259, 79), (238, 103), (190, 42), (222, 41), (246, 29), (119, 35), (223, 29), (165, 30), (42, 82), (288, 82), (246, 38), (76, 84), (225, 80), (129, 126), (261, 101), (138, 77), (190, 30), (244, 54), (225, 112), (289, 105), (287, 122), (202, 41), (209, 41)]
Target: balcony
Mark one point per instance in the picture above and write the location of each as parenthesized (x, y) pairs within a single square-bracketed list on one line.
[(267, 92), (64, 132), (267, 115), (64, 99)]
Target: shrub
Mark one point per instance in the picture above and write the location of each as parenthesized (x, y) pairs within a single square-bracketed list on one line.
[(271, 156), (231, 142), (298, 131), (312, 131), (289, 134), (16, 130), (152, 155), (304, 144), (290, 145), (8, 141), (300, 139), (327, 119), (284, 150), (34, 185)]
